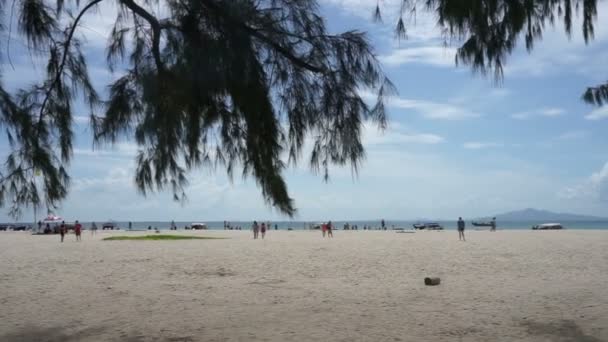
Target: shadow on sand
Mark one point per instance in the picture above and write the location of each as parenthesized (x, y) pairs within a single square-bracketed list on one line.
[(560, 331), (60, 334)]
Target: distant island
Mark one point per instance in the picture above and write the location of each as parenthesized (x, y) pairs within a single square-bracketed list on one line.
[(531, 214)]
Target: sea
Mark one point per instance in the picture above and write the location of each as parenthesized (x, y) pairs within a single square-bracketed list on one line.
[(373, 224)]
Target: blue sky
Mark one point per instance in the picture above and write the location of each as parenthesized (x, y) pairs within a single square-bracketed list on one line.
[(457, 144)]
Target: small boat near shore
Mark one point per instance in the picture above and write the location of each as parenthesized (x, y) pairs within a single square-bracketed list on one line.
[(198, 226), (428, 226), (548, 226)]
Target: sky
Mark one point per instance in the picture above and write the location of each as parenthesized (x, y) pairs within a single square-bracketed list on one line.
[(457, 144)]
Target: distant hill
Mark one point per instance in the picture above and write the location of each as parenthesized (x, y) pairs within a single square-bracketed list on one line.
[(530, 214)]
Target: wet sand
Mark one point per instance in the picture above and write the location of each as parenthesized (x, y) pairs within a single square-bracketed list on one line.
[(296, 286)]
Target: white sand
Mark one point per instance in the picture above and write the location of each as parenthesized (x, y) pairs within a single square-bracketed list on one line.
[(295, 286)]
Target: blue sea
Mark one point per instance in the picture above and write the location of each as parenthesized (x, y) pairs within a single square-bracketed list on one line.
[(374, 224)]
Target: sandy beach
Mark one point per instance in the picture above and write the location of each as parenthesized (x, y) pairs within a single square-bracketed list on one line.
[(296, 286)]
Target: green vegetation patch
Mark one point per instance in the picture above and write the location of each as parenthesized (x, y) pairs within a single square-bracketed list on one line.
[(160, 237)]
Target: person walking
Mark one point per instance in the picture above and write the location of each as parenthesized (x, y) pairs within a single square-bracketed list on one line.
[(62, 230), (263, 230), (329, 230), (255, 229), (93, 228), (78, 230), (461, 226), (493, 225)]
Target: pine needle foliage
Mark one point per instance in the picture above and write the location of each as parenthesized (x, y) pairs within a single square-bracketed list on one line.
[(236, 84), (490, 29)]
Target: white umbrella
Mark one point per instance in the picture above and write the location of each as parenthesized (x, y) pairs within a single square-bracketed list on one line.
[(52, 218)]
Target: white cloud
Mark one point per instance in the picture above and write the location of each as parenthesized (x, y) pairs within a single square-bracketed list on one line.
[(428, 109), (434, 55), (118, 150), (397, 134), (433, 110), (477, 145), (594, 188), (81, 119), (573, 135), (550, 112), (543, 112), (598, 114)]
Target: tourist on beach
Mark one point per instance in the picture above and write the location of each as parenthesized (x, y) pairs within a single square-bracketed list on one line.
[(39, 226), (324, 228), (276, 227), (461, 225), (77, 230), (130, 225), (263, 229), (62, 230), (255, 229), (493, 225), (94, 228), (329, 230), (382, 223)]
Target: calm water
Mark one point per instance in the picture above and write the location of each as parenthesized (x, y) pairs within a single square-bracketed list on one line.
[(297, 225)]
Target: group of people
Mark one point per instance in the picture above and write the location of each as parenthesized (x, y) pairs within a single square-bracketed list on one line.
[(327, 229), (259, 229), (63, 229)]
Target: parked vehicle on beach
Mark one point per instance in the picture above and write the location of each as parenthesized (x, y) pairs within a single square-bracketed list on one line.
[(428, 226), (548, 226), (198, 226), (15, 228)]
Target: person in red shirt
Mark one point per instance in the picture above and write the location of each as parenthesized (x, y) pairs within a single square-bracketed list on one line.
[(324, 228), (77, 230)]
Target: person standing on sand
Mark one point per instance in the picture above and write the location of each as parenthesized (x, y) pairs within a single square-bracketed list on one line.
[(62, 230), (255, 229), (493, 225), (461, 226), (329, 230), (78, 230), (93, 228), (263, 230), (324, 228)]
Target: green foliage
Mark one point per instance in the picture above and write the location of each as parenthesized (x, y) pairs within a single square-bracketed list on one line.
[(490, 29), (160, 237), (238, 84)]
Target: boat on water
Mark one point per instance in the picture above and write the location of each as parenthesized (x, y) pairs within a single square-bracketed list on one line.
[(110, 226), (198, 226), (428, 226), (482, 224), (548, 226)]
